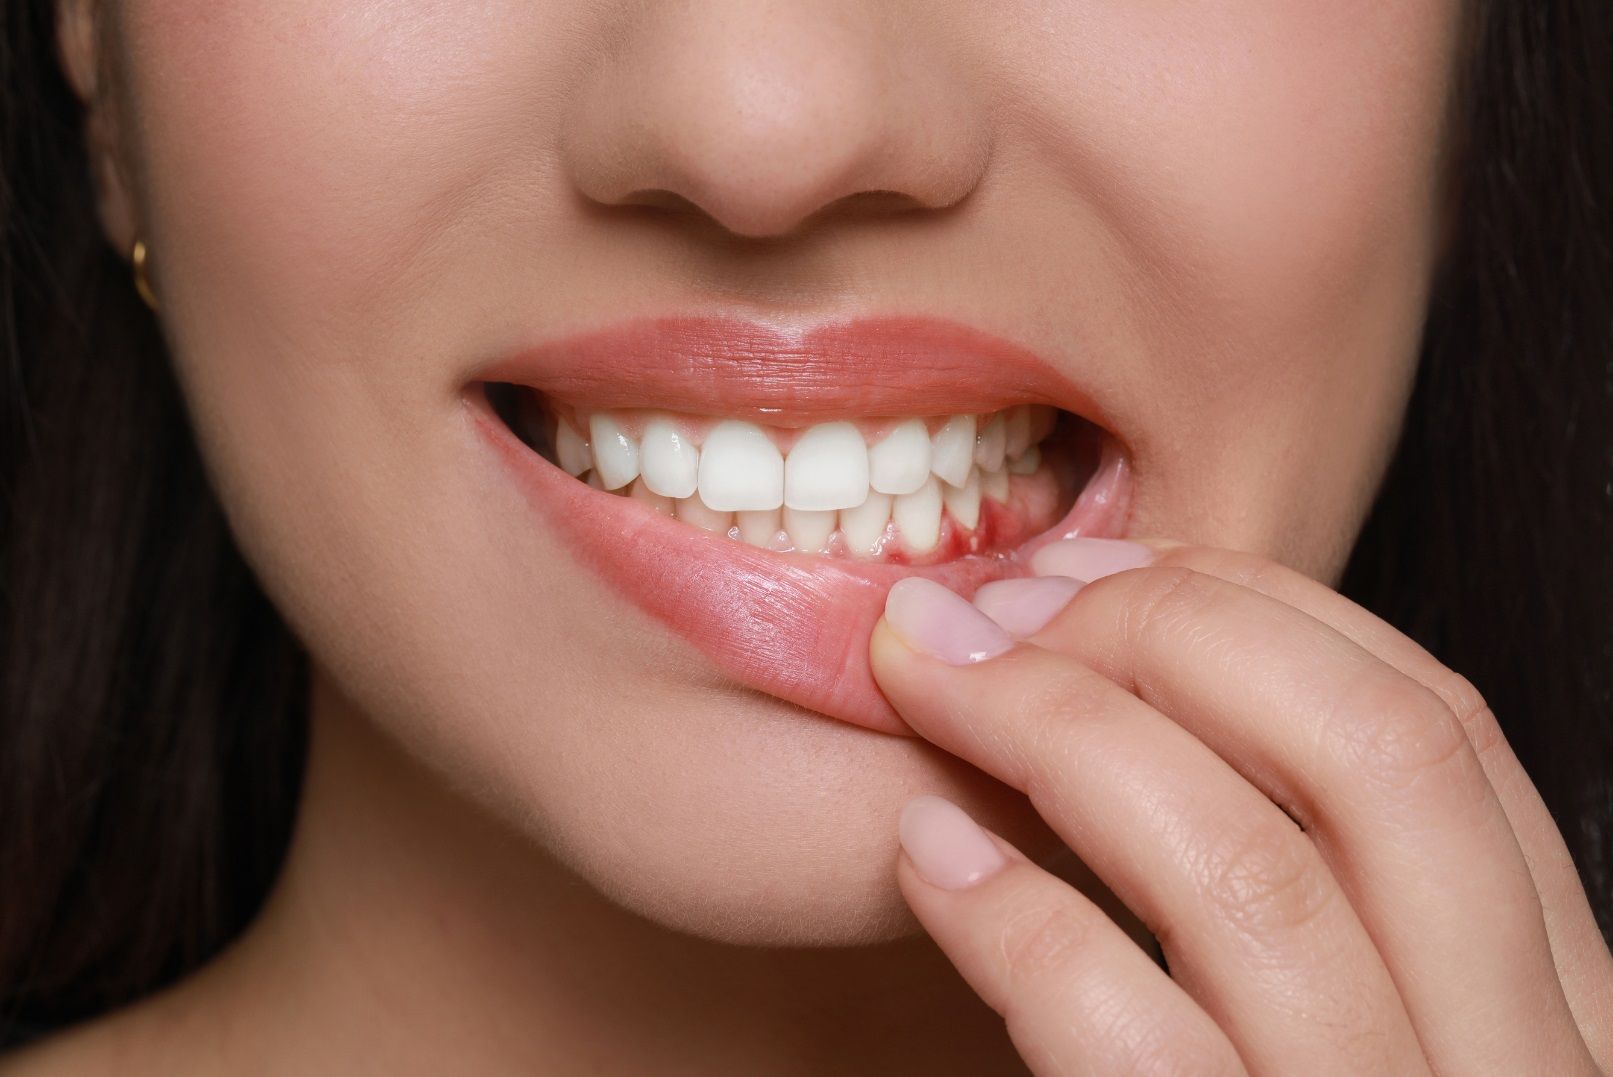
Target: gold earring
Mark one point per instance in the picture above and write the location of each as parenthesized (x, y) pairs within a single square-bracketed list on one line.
[(142, 283)]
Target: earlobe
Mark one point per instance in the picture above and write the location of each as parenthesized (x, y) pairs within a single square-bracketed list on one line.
[(79, 51)]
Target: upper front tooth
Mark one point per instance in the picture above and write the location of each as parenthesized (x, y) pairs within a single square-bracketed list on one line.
[(615, 454), (827, 469), (740, 469), (992, 444), (669, 461), (952, 450), (901, 462), (571, 449)]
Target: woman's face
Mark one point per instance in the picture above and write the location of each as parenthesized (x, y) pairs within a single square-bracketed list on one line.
[(1205, 233)]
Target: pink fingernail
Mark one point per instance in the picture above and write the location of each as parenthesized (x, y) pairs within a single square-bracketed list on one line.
[(1089, 558), (948, 848), (931, 619), (1023, 607)]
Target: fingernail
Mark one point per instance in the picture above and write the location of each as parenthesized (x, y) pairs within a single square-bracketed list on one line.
[(1089, 558), (1023, 607), (948, 848), (931, 619)]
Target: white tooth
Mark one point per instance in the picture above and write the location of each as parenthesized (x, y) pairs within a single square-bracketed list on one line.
[(615, 454), (809, 530), (864, 525), (994, 484), (759, 528), (827, 469), (952, 450), (642, 492), (1026, 464), (691, 510), (1019, 430), (594, 480), (669, 461), (740, 468), (918, 517), (963, 502), (571, 449), (900, 463), (989, 447)]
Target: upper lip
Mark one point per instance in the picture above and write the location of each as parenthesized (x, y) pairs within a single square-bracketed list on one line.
[(788, 375)]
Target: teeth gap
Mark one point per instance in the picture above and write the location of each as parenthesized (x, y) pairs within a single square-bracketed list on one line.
[(1000, 501)]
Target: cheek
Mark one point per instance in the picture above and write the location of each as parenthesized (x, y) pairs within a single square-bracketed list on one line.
[(313, 151), (1268, 172)]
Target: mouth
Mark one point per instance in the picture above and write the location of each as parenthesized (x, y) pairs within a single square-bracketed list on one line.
[(757, 489)]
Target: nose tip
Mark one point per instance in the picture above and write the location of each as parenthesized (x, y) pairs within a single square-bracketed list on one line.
[(761, 116)]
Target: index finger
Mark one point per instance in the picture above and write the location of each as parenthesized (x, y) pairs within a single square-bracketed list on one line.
[(1579, 951)]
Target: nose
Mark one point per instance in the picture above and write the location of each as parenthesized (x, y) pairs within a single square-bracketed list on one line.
[(760, 114)]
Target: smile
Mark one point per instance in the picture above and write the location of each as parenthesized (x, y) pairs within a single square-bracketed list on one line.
[(757, 489)]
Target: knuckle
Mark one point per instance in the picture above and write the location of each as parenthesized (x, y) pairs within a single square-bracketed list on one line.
[(1266, 880), (1163, 599), (1234, 566), (1399, 736), (1042, 940), (1472, 712)]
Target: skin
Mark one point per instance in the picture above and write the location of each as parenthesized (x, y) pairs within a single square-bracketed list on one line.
[(1223, 222)]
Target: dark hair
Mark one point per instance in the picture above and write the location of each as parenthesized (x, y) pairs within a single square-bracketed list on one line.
[(153, 722)]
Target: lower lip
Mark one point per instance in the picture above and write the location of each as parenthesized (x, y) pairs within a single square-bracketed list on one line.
[(794, 627)]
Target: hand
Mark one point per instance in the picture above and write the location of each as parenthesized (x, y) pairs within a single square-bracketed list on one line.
[(1344, 864)]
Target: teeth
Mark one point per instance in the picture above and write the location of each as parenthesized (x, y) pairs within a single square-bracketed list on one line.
[(615, 454), (864, 525), (1018, 432), (669, 462), (571, 449), (827, 469), (761, 527), (642, 492), (1027, 462), (963, 502), (809, 529), (691, 510), (900, 463), (992, 444), (735, 480), (952, 450), (994, 484), (740, 468), (918, 516)]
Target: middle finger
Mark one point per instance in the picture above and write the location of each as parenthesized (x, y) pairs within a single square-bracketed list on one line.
[(1251, 919)]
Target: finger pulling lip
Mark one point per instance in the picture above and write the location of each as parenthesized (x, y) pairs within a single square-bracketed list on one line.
[(792, 625)]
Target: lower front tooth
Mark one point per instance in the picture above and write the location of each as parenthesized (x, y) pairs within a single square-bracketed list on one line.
[(864, 526), (918, 517), (994, 484), (1027, 463), (691, 510), (809, 529), (760, 527), (963, 502)]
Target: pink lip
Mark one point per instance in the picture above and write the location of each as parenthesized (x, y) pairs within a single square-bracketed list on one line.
[(790, 625)]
